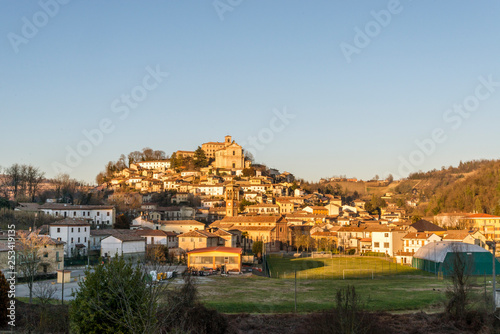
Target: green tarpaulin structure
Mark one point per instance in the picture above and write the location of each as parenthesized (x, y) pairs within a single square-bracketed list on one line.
[(440, 258)]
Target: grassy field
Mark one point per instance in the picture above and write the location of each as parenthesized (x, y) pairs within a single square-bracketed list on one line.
[(393, 287), (350, 267), (253, 294)]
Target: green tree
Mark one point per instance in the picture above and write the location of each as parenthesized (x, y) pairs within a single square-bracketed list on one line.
[(478, 207), (4, 299), (122, 221), (249, 172), (257, 248), (200, 159), (116, 298), (244, 238)]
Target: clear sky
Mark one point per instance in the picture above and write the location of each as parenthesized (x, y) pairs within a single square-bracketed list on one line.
[(358, 82)]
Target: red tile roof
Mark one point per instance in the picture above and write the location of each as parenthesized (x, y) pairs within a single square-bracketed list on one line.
[(217, 249)]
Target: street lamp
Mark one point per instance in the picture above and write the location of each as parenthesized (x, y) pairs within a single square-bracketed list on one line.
[(493, 245)]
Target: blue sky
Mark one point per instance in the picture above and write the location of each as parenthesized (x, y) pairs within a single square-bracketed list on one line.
[(231, 75)]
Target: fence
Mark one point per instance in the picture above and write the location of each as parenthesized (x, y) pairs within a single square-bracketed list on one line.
[(81, 261), (337, 267)]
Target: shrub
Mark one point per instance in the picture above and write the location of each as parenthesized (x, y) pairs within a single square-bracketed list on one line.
[(184, 314), (4, 299)]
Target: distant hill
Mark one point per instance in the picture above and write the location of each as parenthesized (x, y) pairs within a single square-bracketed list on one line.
[(471, 186)]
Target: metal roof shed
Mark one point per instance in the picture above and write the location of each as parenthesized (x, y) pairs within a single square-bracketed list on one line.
[(440, 257)]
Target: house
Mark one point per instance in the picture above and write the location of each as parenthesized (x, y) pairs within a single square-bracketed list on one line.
[(197, 239), (426, 226), (154, 164), (325, 240), (180, 197), (387, 240), (473, 237), (263, 209), (450, 220), (258, 228), (153, 237), (74, 233), (317, 210), (414, 240), (97, 214), (349, 237), (127, 245), (215, 258), (96, 237), (359, 204), (489, 225), (333, 209), (51, 255), (158, 237), (226, 238), (285, 206)]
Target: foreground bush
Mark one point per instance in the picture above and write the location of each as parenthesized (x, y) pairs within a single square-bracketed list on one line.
[(183, 313)]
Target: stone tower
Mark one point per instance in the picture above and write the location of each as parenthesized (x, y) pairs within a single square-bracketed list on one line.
[(232, 198)]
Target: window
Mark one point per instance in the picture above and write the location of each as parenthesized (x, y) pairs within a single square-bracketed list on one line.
[(85, 239), (58, 230), (386, 245), (71, 240), (71, 229), (192, 239), (57, 214), (234, 153), (46, 254), (78, 230), (98, 213), (386, 235), (199, 239), (83, 213), (78, 239), (376, 244), (108, 214), (234, 165), (85, 229)]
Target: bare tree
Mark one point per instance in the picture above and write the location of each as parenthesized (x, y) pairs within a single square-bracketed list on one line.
[(28, 247), (44, 291), (33, 177), (14, 178), (459, 291)]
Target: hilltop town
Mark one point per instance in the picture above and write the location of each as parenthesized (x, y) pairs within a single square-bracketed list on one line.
[(213, 211)]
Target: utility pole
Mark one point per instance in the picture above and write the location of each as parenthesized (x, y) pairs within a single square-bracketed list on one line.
[(493, 245), (295, 290)]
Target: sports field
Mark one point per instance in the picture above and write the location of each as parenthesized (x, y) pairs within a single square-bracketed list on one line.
[(339, 267), (253, 294), (393, 287)]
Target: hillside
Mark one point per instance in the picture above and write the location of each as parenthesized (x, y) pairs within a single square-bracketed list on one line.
[(472, 186)]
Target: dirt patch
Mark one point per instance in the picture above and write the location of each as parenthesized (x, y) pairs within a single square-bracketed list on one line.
[(380, 322)]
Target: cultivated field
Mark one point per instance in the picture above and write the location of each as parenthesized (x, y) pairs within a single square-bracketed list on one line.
[(339, 267)]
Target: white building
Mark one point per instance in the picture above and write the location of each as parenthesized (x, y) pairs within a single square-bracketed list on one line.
[(98, 214), (210, 190), (387, 240), (75, 232), (155, 164), (130, 246)]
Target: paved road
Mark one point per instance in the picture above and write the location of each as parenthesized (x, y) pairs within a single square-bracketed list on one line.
[(76, 276)]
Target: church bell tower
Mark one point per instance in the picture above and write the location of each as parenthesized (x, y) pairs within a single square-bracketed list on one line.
[(232, 198)]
